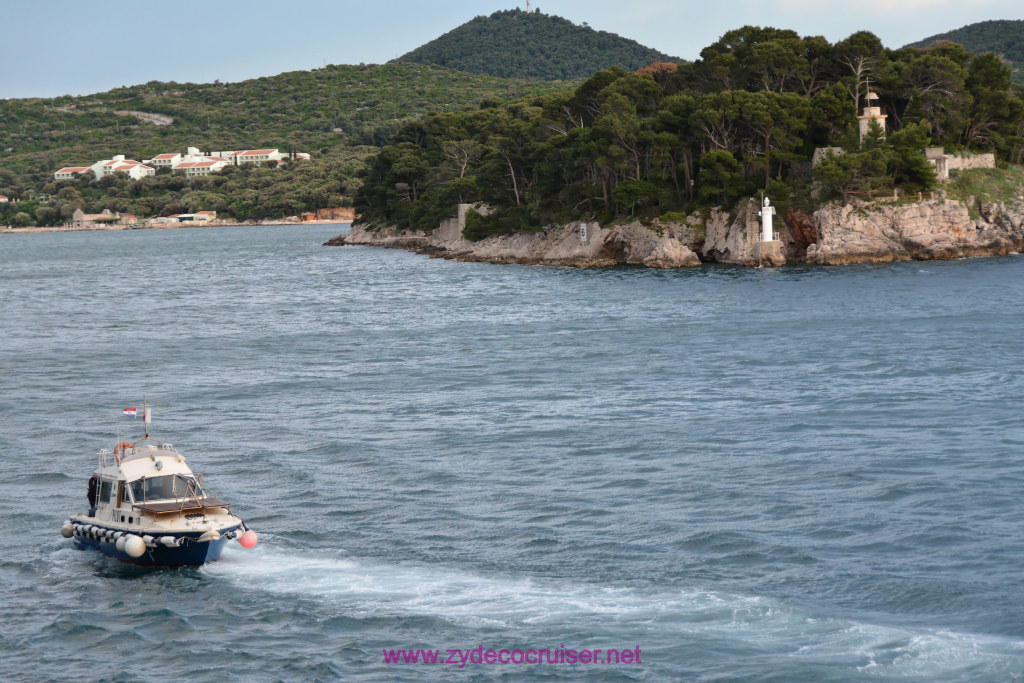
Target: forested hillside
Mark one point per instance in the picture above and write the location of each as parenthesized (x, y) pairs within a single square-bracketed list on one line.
[(744, 117), (518, 44), (1004, 37), (340, 114)]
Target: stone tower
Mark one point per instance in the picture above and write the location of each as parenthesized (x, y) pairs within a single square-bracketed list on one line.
[(870, 112)]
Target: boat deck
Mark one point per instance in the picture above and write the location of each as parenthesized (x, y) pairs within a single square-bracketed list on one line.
[(182, 505)]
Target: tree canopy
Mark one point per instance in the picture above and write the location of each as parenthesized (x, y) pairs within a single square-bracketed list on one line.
[(746, 116), (1004, 37)]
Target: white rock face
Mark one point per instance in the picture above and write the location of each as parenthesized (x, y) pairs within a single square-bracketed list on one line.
[(576, 244), (940, 229), (834, 235), (736, 239)]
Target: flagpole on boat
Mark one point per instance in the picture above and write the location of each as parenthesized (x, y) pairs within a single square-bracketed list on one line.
[(145, 415)]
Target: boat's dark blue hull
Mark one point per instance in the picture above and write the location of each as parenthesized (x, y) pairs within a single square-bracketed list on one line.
[(191, 552)]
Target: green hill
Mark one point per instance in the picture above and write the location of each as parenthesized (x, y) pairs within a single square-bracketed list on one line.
[(1003, 37), (518, 44), (340, 114)]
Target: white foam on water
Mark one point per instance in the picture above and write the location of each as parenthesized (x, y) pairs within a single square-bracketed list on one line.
[(367, 589), (359, 589)]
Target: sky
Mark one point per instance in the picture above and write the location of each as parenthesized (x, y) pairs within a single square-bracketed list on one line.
[(76, 47)]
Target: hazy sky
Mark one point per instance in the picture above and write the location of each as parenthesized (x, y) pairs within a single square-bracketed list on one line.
[(77, 47)]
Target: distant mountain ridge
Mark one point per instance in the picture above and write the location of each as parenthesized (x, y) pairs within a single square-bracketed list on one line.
[(1004, 37), (514, 43)]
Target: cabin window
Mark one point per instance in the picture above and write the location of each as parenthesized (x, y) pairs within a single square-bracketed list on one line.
[(105, 487), (171, 486)]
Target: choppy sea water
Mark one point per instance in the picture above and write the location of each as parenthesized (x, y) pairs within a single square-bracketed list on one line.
[(749, 474)]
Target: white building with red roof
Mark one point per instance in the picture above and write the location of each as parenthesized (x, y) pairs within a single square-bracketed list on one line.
[(70, 172), (259, 156), (193, 163), (192, 168), (136, 170), (163, 160)]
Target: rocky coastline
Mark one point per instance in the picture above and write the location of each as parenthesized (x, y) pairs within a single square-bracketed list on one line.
[(835, 234)]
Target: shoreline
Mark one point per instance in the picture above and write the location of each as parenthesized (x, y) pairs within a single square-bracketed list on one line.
[(168, 226), (835, 234)]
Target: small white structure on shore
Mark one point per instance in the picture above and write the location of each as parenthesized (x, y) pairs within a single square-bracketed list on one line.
[(766, 213)]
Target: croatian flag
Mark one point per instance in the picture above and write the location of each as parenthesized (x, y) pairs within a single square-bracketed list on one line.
[(130, 412)]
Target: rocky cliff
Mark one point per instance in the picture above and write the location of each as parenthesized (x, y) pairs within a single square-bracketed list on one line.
[(577, 244), (938, 229), (835, 234)]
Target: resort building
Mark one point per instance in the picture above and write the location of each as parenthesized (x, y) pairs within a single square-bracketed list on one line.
[(193, 168), (193, 163), (234, 157), (105, 167), (163, 160), (135, 169), (69, 172), (259, 156)]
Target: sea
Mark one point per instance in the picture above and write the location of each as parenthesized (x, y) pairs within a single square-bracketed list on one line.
[(510, 472)]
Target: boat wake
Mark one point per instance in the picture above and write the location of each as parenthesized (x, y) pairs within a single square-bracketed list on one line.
[(557, 610)]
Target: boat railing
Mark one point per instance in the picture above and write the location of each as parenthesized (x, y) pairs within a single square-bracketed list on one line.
[(104, 458)]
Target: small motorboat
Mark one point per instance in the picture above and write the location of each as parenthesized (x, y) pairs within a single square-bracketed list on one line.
[(146, 506)]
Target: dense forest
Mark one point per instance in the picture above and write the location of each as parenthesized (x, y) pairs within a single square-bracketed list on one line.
[(339, 114), (518, 44), (1003, 37), (744, 117)]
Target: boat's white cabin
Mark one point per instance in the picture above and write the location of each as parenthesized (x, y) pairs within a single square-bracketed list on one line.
[(148, 477)]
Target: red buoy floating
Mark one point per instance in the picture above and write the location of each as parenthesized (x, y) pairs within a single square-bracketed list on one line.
[(248, 539)]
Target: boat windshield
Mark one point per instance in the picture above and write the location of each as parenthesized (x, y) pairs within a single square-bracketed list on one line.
[(168, 486)]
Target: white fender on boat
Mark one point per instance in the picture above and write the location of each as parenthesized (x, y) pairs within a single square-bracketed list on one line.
[(120, 544), (211, 535), (149, 541), (134, 546), (67, 531), (169, 541)]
